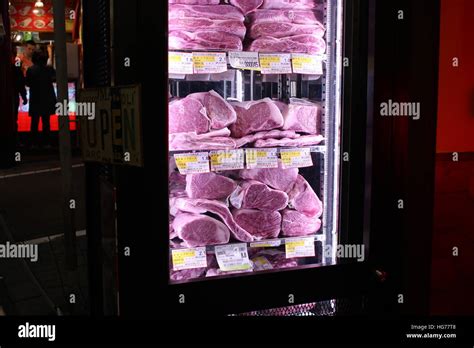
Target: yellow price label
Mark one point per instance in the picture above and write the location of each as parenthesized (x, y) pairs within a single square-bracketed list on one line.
[(203, 59), (179, 256), (291, 154), (291, 246), (182, 162), (287, 157), (251, 156), (217, 158), (299, 62), (174, 58), (267, 61)]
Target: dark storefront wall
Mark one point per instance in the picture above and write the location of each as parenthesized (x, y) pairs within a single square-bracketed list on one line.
[(452, 282), (7, 123)]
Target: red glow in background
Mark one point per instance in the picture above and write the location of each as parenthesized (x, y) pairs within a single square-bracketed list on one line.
[(24, 120)]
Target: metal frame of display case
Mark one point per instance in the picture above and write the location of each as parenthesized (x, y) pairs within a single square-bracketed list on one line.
[(306, 283)]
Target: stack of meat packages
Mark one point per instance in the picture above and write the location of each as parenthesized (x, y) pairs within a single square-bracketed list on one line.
[(288, 26), (204, 25), (206, 121), (243, 205)]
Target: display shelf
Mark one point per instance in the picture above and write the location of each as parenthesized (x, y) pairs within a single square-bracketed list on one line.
[(182, 62), (272, 243), (313, 149)]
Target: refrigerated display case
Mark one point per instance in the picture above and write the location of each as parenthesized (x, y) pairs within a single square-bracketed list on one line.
[(357, 172), (254, 139)]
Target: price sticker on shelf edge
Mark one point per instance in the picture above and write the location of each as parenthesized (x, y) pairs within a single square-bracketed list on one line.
[(307, 64), (266, 244), (227, 160), (261, 158), (275, 63), (192, 163), (180, 63), (188, 258), (209, 62), (244, 60), (299, 247), (233, 257), (296, 158)]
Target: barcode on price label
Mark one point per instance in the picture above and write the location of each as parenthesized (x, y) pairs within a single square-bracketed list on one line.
[(192, 163), (233, 257), (244, 60)]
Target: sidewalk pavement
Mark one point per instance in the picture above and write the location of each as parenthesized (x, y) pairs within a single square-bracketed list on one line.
[(53, 286)]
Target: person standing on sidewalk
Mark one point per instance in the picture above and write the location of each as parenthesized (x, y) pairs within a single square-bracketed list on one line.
[(40, 79), (19, 85), (27, 55)]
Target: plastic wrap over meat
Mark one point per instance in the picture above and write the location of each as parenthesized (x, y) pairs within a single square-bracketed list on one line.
[(273, 134), (209, 186), (229, 26), (200, 230), (304, 140), (187, 115), (291, 4), (247, 6), (187, 274), (277, 178), (286, 16), (302, 116), (195, 2), (279, 30), (304, 199), (306, 43), (252, 194), (221, 12), (256, 116), (201, 206), (203, 40), (218, 110), (261, 224), (295, 224)]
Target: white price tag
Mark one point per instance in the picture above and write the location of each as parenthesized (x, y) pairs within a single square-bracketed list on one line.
[(307, 64), (180, 63), (233, 257), (261, 158), (209, 62), (188, 258), (296, 158), (261, 263), (275, 63), (299, 247), (192, 163), (227, 160), (266, 244), (244, 60)]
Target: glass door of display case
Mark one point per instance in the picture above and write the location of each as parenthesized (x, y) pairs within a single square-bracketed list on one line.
[(254, 120)]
